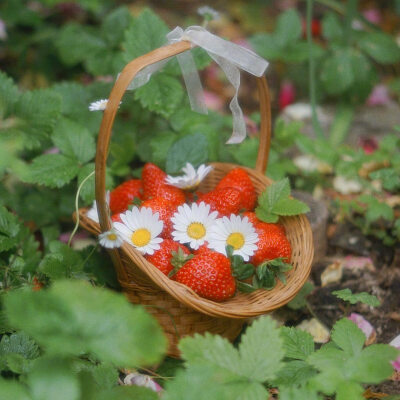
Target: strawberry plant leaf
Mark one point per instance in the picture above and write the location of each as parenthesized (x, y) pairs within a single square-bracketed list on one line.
[(74, 140), (290, 207), (162, 94), (266, 216), (10, 95), (300, 300), (79, 318), (353, 298), (191, 148), (245, 287), (9, 229), (348, 336), (380, 46), (297, 343), (298, 393), (294, 373), (12, 390), (274, 193), (52, 170), (146, 33)]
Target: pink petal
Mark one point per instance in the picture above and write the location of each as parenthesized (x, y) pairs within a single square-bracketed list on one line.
[(287, 94), (379, 96), (363, 324), (373, 15), (396, 343), (213, 101), (142, 380)]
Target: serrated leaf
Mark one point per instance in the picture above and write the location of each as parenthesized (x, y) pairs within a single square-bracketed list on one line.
[(73, 318), (298, 393), (13, 390), (190, 148), (348, 336), (380, 46), (349, 390), (9, 95), (9, 229), (290, 207), (261, 350), (353, 298), (294, 373), (52, 170), (19, 343), (74, 140), (297, 343), (159, 144), (328, 357), (274, 193), (300, 300), (373, 364), (114, 25), (52, 378), (266, 216), (146, 33)]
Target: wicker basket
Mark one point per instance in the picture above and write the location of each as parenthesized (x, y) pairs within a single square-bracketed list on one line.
[(178, 309)]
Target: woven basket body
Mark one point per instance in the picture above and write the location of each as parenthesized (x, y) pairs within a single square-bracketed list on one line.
[(179, 310)]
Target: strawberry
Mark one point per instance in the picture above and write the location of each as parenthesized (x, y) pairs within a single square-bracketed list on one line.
[(209, 275), (165, 210), (152, 178), (240, 180), (154, 185), (202, 249), (116, 217), (272, 243), (226, 201), (163, 256), (252, 217), (122, 196)]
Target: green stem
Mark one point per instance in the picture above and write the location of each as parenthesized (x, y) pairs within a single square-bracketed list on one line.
[(351, 13), (77, 208), (341, 124), (311, 74), (334, 5)]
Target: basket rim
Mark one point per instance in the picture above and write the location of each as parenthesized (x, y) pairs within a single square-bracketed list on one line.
[(189, 298)]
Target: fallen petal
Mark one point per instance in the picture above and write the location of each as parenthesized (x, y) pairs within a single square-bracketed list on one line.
[(318, 331), (332, 273), (142, 380), (365, 326)]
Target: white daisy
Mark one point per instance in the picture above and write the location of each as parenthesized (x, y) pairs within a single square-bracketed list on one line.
[(235, 231), (141, 228), (192, 224), (110, 239), (93, 213), (99, 105), (191, 179)]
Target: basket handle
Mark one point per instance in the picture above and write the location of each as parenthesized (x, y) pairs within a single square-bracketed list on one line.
[(117, 92)]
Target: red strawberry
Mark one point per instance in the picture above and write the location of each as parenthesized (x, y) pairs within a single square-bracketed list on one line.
[(226, 201), (174, 195), (152, 178), (240, 180), (162, 257), (165, 211), (272, 243), (209, 275), (202, 249), (154, 185), (122, 196), (116, 217)]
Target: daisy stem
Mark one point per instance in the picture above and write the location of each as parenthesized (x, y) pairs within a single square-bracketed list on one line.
[(77, 208)]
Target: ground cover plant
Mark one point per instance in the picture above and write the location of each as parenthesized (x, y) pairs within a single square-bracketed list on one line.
[(65, 330)]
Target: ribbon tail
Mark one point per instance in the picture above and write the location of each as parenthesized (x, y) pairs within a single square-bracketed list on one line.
[(233, 75), (192, 82)]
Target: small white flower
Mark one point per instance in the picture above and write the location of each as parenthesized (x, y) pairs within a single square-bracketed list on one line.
[(110, 239), (346, 186), (191, 179), (93, 213), (141, 228), (235, 231), (208, 12), (192, 224), (99, 105)]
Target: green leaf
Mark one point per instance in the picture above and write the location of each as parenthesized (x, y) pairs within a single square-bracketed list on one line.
[(52, 378), (72, 317), (9, 229), (52, 170), (389, 176), (245, 153), (373, 364), (266, 216), (18, 343), (288, 29), (294, 373), (127, 393), (298, 393), (115, 24), (190, 148), (159, 144), (297, 344), (274, 193), (380, 46), (290, 207), (260, 359), (162, 94), (332, 29), (13, 390), (146, 33), (74, 140), (349, 390), (300, 300), (337, 72), (353, 298), (348, 336), (9, 96)]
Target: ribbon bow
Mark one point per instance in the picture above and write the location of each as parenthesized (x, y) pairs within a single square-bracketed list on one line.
[(229, 56)]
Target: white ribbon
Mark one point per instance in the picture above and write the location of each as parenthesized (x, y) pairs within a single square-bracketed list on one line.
[(229, 56)]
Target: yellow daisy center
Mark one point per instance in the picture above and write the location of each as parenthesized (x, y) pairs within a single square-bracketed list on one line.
[(141, 237), (112, 236), (196, 230), (236, 240)]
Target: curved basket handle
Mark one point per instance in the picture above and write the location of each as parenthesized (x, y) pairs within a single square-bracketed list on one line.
[(120, 86)]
